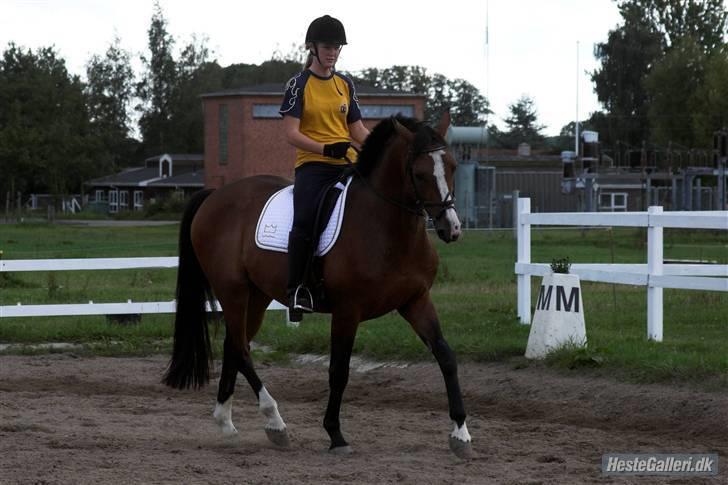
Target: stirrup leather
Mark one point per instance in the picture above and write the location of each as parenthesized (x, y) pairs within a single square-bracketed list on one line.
[(299, 299)]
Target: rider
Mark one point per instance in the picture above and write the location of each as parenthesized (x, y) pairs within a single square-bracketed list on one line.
[(320, 118)]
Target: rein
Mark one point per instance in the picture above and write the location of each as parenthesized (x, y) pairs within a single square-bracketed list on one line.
[(420, 206)]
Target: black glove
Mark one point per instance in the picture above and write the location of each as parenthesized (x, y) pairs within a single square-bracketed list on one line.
[(337, 150)]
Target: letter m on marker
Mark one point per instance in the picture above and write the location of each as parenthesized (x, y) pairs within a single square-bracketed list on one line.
[(544, 298), (573, 299)]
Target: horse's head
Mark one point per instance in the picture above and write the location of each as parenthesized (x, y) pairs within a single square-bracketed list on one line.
[(430, 170)]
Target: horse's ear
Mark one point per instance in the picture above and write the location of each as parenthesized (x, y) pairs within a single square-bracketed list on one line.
[(403, 131), (444, 124)]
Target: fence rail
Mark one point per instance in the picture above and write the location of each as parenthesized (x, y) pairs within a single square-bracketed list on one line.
[(91, 308), (655, 275)]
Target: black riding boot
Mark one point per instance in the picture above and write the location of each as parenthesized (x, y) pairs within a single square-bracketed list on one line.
[(299, 297)]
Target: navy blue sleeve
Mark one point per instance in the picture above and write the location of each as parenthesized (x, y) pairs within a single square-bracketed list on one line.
[(354, 114), (293, 97)]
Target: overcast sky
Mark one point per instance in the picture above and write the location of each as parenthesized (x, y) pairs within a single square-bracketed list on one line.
[(531, 49)]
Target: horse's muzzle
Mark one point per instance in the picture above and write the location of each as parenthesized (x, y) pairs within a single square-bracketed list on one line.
[(447, 225), (448, 236)]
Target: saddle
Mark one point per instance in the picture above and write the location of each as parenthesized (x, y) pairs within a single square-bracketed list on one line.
[(275, 222)]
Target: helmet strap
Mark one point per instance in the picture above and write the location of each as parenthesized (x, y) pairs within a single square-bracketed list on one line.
[(316, 53)]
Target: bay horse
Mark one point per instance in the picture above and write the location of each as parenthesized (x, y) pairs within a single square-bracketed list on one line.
[(383, 261)]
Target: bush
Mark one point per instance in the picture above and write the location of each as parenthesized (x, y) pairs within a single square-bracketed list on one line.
[(172, 206)]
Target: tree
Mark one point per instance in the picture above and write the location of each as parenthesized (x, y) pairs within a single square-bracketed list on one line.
[(625, 59), (710, 99), (157, 86), (172, 119), (44, 123), (467, 105), (296, 53), (671, 85), (109, 91), (651, 30), (195, 74), (689, 91), (522, 124), (705, 21)]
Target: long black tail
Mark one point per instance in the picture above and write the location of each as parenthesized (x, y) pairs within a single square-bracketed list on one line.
[(191, 352)]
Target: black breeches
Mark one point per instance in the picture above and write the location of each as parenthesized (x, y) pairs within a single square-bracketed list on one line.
[(308, 189)]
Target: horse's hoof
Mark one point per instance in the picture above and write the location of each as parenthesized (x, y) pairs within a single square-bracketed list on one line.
[(278, 437), (229, 430), (341, 450), (462, 449)]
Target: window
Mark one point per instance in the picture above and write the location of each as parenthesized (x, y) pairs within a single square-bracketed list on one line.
[(123, 199), (266, 111), (138, 200), (223, 134), (99, 197), (113, 201), (369, 111), (166, 168), (613, 201)]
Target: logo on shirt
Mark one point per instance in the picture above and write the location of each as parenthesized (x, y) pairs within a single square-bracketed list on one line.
[(342, 108)]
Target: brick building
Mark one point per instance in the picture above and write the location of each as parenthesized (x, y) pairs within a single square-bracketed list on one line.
[(243, 130)]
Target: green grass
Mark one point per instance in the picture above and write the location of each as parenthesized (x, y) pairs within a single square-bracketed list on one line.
[(474, 293)]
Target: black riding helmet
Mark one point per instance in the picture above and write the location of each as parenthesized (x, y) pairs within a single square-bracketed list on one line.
[(326, 29)]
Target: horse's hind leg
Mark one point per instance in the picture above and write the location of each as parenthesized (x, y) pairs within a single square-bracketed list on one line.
[(234, 304), (421, 314), (244, 309), (275, 427), (228, 375)]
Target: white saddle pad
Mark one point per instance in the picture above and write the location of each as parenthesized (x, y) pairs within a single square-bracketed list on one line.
[(276, 220)]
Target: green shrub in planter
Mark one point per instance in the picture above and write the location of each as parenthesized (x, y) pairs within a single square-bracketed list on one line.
[(560, 265)]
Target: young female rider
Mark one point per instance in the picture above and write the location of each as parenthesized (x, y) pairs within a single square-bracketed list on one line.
[(320, 118)]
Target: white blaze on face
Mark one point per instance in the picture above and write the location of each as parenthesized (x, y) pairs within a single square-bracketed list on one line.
[(223, 414), (439, 173), (269, 407)]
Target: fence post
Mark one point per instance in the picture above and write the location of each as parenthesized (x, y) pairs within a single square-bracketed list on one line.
[(524, 256), (514, 198), (654, 268)]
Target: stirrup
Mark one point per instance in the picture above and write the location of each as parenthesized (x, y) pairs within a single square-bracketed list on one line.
[(300, 302)]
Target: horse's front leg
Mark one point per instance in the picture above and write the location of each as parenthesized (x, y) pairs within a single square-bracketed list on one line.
[(421, 314), (343, 332)]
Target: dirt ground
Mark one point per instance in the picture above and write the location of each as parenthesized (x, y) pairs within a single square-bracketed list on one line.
[(65, 419)]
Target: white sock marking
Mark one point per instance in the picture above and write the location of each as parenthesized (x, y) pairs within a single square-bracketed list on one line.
[(269, 408), (223, 414), (461, 433)]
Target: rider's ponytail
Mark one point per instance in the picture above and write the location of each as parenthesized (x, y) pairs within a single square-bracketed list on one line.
[(309, 56)]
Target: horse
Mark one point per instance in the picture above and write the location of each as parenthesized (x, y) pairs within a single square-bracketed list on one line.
[(383, 261)]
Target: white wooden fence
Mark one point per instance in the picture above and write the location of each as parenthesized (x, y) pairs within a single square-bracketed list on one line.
[(655, 274), (91, 308)]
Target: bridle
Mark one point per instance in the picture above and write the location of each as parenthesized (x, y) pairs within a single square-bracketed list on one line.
[(420, 206), (447, 203)]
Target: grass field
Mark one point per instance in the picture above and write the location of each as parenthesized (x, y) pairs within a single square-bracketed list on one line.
[(475, 295)]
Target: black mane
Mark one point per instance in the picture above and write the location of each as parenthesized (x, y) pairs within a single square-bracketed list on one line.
[(377, 140)]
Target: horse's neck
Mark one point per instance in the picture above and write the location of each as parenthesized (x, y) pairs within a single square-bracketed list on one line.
[(388, 180)]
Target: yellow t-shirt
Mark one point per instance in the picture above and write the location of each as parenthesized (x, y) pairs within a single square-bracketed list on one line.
[(326, 107)]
